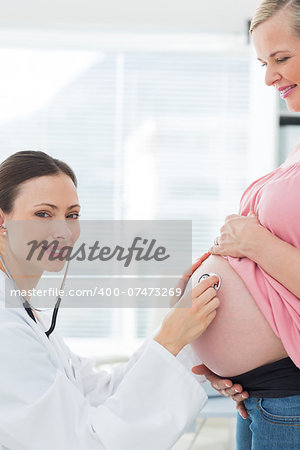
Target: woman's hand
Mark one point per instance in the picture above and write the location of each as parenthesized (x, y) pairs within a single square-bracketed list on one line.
[(236, 236), (190, 317), (225, 387)]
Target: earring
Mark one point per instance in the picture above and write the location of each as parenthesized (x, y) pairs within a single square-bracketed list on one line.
[(4, 232)]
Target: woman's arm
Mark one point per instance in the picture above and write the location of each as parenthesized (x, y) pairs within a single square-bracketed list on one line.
[(244, 236), (278, 258)]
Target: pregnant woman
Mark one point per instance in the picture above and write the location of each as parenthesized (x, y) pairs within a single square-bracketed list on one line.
[(255, 338)]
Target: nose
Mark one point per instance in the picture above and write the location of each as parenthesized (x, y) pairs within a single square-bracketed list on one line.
[(271, 76), (62, 231)]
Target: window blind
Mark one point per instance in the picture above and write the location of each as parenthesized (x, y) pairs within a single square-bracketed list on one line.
[(149, 134)]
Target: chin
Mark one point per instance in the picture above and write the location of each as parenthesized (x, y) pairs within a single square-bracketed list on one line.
[(293, 106), (54, 266)]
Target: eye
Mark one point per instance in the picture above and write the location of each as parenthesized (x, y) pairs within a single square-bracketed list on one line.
[(263, 64), (77, 215), (280, 60), (40, 214)]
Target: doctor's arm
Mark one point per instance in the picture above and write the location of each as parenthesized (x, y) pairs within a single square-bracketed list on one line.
[(41, 408), (156, 399), (244, 236), (99, 384)]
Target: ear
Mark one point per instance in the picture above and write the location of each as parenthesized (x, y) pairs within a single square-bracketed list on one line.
[(2, 217)]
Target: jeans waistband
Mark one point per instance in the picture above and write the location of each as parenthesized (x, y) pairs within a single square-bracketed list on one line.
[(277, 379)]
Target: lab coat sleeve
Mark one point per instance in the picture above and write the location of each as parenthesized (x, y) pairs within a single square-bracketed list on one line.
[(40, 407), (99, 384), (154, 403)]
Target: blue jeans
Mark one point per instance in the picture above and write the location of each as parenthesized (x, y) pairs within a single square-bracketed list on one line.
[(272, 424)]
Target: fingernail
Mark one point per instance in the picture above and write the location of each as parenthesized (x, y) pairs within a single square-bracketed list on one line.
[(236, 390), (227, 385), (244, 396)]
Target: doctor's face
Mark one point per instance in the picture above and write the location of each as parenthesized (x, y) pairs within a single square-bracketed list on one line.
[(278, 48), (46, 208)]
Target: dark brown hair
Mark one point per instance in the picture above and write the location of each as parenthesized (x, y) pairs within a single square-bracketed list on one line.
[(23, 166)]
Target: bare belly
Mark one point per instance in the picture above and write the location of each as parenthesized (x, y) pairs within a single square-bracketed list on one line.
[(239, 338)]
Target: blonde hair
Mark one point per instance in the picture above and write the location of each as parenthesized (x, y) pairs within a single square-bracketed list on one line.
[(269, 8)]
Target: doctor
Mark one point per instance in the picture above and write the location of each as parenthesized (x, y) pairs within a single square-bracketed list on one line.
[(54, 399)]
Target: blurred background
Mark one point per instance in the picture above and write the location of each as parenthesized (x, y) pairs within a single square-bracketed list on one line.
[(161, 110)]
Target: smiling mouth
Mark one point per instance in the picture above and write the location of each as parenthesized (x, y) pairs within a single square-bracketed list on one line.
[(284, 91), (53, 251)]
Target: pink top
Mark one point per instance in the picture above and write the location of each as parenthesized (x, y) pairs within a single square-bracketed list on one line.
[(275, 199)]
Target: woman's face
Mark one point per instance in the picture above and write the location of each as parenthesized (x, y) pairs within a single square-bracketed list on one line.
[(46, 208), (278, 49)]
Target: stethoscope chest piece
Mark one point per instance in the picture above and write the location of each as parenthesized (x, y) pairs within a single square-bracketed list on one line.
[(216, 286)]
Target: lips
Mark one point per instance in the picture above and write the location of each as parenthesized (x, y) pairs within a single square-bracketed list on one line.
[(56, 251), (284, 89)]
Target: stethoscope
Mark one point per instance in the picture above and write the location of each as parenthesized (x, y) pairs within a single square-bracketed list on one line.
[(29, 308), (216, 286)]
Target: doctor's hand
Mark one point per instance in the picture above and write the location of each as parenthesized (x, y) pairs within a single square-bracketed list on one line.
[(190, 317), (183, 281), (237, 236), (225, 387)]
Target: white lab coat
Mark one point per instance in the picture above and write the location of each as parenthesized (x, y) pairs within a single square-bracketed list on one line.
[(51, 398)]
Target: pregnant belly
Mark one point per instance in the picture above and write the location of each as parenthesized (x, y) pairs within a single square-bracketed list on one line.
[(239, 338)]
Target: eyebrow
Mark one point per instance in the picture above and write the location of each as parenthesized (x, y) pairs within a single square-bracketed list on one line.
[(274, 54), (55, 207)]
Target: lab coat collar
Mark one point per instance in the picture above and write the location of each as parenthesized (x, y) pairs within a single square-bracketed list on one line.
[(53, 343)]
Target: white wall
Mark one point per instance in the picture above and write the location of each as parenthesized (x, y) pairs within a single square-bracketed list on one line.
[(130, 15)]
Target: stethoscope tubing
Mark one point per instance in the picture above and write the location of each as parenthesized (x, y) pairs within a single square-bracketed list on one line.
[(28, 307)]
